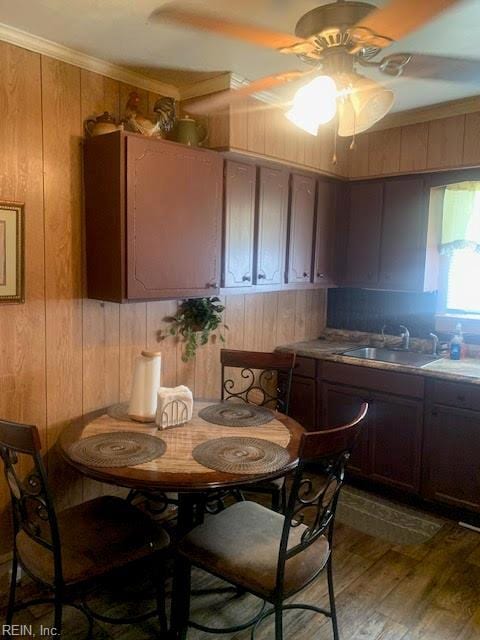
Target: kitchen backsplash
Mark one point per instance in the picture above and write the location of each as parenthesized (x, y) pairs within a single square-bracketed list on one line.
[(366, 310)]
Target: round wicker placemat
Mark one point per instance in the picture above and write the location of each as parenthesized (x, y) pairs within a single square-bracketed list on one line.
[(241, 455), (120, 412), (117, 449), (236, 414)]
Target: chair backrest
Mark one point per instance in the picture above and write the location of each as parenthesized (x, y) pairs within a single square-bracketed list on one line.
[(32, 506), (312, 507), (265, 378)]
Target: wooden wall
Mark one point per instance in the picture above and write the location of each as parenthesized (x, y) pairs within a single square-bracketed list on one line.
[(61, 354), (443, 143)]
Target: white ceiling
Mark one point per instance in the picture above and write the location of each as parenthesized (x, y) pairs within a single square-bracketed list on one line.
[(118, 31)]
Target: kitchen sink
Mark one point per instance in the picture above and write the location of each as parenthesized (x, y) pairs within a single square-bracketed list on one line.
[(392, 356)]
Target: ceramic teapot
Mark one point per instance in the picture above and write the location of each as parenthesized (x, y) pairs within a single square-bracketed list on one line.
[(101, 124), (189, 132)]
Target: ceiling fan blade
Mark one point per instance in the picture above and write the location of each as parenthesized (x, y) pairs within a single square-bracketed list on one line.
[(428, 67), (283, 42), (221, 100), (396, 20)]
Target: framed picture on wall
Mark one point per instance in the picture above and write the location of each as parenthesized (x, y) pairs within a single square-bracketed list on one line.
[(11, 252)]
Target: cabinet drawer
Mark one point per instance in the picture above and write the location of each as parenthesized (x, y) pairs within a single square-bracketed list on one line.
[(455, 394), (400, 384), (305, 367)]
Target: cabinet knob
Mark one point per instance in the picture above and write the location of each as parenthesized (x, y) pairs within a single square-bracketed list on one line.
[(246, 279), (320, 275), (212, 285), (261, 276), (305, 274)]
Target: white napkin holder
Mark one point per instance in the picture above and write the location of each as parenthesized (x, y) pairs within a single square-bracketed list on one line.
[(174, 406)]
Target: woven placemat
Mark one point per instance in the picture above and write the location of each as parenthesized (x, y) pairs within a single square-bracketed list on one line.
[(117, 449), (120, 412), (236, 414), (241, 455)]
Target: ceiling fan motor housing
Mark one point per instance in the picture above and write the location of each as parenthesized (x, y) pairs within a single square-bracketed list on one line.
[(329, 26)]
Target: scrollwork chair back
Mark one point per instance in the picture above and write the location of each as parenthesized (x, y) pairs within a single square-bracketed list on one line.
[(263, 379), (32, 506), (313, 506)]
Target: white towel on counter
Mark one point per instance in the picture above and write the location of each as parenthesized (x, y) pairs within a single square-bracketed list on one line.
[(174, 406)]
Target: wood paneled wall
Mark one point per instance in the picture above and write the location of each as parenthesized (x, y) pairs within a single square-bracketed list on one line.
[(62, 355), (261, 129), (443, 143)]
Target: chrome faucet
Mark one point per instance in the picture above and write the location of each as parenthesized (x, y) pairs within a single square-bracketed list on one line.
[(405, 337), (435, 341)]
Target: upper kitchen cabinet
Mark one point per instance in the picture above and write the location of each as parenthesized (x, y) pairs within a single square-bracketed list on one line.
[(393, 235), (325, 232), (364, 231), (409, 236), (239, 224), (153, 218), (271, 225), (302, 217)]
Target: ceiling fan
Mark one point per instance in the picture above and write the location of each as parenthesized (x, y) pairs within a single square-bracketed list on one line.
[(334, 40)]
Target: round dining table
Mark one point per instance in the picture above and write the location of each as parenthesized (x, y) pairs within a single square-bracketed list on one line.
[(177, 470)]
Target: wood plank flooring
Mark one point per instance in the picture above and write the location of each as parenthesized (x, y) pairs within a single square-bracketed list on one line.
[(384, 592)]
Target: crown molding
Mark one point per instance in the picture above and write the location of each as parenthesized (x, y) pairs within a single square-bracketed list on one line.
[(71, 56)]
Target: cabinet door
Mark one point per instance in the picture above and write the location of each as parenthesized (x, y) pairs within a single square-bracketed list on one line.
[(396, 441), (303, 402), (340, 405), (325, 232), (239, 224), (272, 225), (174, 208), (302, 214), (452, 457), (404, 234), (364, 233)]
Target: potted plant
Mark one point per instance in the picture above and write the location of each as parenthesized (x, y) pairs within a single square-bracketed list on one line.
[(195, 321)]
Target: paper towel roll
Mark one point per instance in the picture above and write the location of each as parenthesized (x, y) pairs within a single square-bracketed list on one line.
[(145, 384)]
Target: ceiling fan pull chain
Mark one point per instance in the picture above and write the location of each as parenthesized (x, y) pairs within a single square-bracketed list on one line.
[(334, 158), (354, 137)]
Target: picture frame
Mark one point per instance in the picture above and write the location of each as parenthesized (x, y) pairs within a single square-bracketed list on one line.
[(12, 246)]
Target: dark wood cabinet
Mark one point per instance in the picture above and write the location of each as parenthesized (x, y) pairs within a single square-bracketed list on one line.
[(365, 206), (392, 235), (153, 218), (239, 221), (403, 257), (452, 457), (301, 225), (325, 232), (271, 226), (389, 450), (303, 402)]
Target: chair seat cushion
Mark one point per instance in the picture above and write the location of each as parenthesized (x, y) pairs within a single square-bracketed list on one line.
[(95, 538), (241, 545)]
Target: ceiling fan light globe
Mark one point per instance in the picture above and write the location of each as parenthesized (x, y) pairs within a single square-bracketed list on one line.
[(366, 103), (314, 104)]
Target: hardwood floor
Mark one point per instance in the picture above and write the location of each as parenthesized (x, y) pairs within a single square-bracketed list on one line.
[(384, 592)]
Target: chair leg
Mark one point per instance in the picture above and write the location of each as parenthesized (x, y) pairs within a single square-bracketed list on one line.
[(278, 622), (160, 596), (331, 596), (276, 500), (58, 612), (13, 589)]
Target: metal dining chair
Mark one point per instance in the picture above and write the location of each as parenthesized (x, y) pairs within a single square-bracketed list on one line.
[(275, 556), (264, 379), (70, 551)]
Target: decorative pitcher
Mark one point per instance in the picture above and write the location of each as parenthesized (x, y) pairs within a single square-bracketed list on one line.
[(190, 132)]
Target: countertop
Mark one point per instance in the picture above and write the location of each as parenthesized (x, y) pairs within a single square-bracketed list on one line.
[(466, 370)]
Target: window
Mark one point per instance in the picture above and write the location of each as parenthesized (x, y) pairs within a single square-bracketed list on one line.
[(463, 287)]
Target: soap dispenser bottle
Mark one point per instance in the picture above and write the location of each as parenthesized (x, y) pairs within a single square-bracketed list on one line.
[(456, 344)]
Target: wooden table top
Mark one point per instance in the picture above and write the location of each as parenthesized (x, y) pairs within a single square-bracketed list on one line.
[(176, 470)]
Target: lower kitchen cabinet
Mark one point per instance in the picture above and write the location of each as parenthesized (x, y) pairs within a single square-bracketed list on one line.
[(303, 402), (452, 456), (390, 447)]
